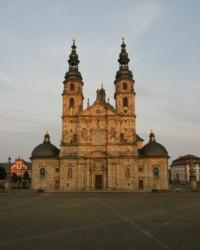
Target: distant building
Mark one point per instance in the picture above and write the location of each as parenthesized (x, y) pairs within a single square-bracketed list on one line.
[(180, 168), (100, 148), (18, 167)]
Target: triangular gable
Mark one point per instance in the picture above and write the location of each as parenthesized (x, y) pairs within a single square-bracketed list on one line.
[(99, 108)]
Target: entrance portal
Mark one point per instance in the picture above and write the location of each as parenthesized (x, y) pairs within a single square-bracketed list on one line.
[(57, 184), (98, 182), (141, 185)]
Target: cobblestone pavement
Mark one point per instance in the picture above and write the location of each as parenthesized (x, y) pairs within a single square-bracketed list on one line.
[(137, 221)]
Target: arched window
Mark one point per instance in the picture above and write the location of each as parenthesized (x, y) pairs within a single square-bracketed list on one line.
[(125, 85), (112, 133), (71, 103), (71, 87), (125, 102), (127, 173), (69, 173), (42, 173), (156, 172)]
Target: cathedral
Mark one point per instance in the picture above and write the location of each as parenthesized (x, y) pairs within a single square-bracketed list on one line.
[(100, 148)]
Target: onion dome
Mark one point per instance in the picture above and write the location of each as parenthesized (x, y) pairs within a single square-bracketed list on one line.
[(73, 72), (123, 73), (45, 149), (153, 148)]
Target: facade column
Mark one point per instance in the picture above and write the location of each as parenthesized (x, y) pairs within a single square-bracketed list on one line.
[(117, 176), (78, 177), (108, 177), (87, 177), (92, 179), (104, 179)]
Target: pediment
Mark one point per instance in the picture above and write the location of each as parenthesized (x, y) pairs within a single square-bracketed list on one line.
[(98, 109)]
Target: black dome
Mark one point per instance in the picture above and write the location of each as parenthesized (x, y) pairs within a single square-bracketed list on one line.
[(45, 149), (73, 75), (153, 148)]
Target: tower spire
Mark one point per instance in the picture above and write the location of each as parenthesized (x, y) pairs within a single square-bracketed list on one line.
[(73, 72), (123, 56), (123, 73)]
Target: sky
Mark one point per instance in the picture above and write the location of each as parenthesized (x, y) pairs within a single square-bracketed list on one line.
[(162, 37)]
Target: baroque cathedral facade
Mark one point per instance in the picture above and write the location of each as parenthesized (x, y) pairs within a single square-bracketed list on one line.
[(100, 149)]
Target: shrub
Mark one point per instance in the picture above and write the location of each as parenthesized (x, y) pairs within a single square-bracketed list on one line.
[(3, 173)]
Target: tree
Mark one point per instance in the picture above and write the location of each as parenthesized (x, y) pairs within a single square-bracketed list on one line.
[(14, 177), (19, 179), (3, 173), (26, 175), (26, 180)]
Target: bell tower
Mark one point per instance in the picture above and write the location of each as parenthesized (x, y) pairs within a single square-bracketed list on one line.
[(73, 86), (124, 85), (72, 99)]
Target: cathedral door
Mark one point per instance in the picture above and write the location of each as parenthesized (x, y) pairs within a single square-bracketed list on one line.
[(98, 182), (57, 184), (141, 186)]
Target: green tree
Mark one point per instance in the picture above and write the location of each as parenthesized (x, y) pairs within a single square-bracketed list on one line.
[(26, 175), (19, 179), (3, 173), (14, 177)]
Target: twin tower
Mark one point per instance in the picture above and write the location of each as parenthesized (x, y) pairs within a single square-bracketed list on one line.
[(124, 86), (73, 92), (99, 148)]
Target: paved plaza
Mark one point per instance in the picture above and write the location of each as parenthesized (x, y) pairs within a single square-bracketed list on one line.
[(146, 221)]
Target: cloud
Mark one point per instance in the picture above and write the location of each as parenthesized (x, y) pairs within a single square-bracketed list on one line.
[(7, 85), (144, 16)]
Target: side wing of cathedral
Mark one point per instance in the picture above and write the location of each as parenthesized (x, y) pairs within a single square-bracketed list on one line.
[(100, 149)]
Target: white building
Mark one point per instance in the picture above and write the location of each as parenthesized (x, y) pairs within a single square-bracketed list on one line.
[(180, 168)]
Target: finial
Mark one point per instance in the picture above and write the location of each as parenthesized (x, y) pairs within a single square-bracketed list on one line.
[(74, 39), (46, 137), (88, 102), (102, 86), (152, 136), (108, 100), (122, 37)]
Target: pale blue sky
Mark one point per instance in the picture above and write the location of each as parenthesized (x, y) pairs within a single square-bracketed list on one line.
[(162, 39)]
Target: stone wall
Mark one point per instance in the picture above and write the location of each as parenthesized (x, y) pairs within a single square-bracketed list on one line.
[(73, 174), (52, 175)]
